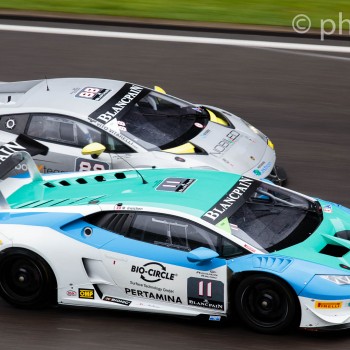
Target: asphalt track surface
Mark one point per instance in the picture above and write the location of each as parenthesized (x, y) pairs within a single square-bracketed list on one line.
[(299, 99)]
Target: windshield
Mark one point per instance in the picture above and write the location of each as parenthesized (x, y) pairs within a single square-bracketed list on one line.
[(266, 216), (162, 121)]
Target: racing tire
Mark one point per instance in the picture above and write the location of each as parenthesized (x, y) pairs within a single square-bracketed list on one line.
[(266, 304), (278, 176), (26, 280)]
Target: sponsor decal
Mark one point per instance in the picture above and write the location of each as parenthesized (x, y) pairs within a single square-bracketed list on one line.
[(328, 209), (71, 293), (198, 125), (232, 200), (232, 135), (117, 300), (122, 125), (153, 272), (214, 318), (226, 142), (153, 306), (23, 167), (8, 149), (207, 274), (153, 295), (149, 286), (261, 164), (92, 93), (205, 133), (328, 304), (262, 168), (175, 184), (113, 131), (123, 207), (118, 105), (250, 248), (228, 162), (86, 293), (10, 124), (83, 164), (205, 293)]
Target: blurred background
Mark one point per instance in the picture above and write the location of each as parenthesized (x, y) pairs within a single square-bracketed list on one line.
[(252, 12)]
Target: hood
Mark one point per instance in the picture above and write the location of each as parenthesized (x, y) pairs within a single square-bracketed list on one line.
[(240, 151), (330, 243)]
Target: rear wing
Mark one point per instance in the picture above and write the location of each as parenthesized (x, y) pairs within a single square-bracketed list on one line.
[(15, 152)]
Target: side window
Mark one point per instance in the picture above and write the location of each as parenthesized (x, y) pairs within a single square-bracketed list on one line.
[(116, 146), (230, 249), (86, 134), (14, 124), (172, 232), (110, 221), (166, 231), (63, 130)]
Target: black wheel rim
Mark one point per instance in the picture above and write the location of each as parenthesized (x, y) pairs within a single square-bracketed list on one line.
[(265, 304), (21, 279)]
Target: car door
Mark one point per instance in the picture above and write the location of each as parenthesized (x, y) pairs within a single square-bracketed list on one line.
[(65, 138), (151, 262)]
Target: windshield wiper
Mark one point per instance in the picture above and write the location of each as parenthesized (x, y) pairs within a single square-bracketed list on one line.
[(174, 115), (283, 201)]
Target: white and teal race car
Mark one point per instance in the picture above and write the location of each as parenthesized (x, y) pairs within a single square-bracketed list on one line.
[(194, 243), (100, 124)]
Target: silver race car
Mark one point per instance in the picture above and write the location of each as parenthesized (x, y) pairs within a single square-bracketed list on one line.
[(98, 124)]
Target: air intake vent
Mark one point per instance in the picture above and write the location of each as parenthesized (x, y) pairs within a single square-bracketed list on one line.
[(343, 234), (100, 178), (120, 176), (334, 250), (272, 263), (81, 181)]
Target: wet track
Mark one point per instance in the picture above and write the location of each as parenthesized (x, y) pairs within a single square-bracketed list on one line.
[(300, 100)]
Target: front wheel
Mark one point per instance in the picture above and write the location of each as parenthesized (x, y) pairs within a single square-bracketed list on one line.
[(26, 280), (278, 176), (266, 304)]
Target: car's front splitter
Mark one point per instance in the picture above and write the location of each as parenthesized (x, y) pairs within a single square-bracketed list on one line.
[(324, 314)]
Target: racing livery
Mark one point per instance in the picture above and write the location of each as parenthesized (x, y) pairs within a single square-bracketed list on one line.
[(100, 124), (174, 241)]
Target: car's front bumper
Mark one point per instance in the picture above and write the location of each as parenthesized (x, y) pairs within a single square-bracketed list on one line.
[(324, 314)]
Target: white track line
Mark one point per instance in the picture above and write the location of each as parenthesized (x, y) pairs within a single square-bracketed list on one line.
[(178, 38), (308, 54)]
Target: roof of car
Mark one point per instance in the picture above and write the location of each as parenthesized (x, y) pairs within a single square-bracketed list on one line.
[(192, 191), (61, 95)]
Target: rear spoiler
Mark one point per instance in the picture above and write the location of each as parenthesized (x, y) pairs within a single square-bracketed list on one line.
[(22, 149), (15, 152)]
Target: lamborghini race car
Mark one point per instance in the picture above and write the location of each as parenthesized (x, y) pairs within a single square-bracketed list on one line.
[(98, 124), (175, 241)]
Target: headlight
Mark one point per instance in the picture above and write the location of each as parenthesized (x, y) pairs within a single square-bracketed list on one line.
[(255, 130), (340, 280), (270, 144)]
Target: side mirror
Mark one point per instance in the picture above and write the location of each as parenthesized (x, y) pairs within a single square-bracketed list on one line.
[(159, 89), (95, 149), (201, 254)]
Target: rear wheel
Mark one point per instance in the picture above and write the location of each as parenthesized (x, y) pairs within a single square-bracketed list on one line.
[(26, 280), (266, 304)]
